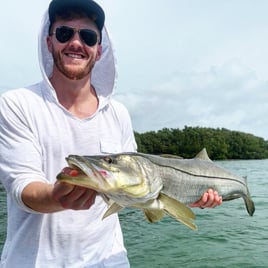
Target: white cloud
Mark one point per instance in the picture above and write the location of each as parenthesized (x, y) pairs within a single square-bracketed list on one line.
[(229, 96)]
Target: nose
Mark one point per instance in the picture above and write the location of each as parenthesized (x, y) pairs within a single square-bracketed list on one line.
[(76, 39)]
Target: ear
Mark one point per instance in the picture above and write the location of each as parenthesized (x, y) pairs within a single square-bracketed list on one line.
[(49, 43), (99, 52)]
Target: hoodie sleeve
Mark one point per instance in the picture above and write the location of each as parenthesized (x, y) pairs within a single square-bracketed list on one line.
[(17, 168)]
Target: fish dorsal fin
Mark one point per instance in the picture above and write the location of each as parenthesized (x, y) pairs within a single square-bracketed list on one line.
[(203, 155), (114, 208), (153, 215), (178, 210)]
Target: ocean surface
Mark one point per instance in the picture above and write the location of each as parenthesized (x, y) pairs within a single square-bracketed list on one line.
[(226, 236)]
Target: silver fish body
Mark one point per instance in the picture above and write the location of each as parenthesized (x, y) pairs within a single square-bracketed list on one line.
[(187, 179), (158, 185)]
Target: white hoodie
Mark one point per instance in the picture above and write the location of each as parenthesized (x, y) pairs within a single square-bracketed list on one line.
[(36, 134)]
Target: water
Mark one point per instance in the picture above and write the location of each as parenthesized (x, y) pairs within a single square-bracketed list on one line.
[(226, 236)]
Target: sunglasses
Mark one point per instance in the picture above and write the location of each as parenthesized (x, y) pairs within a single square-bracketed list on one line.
[(64, 34)]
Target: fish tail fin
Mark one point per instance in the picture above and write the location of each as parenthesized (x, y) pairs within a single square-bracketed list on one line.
[(178, 210), (249, 205), (153, 215), (248, 201)]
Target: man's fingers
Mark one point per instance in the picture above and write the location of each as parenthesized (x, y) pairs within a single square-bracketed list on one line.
[(209, 199), (73, 197)]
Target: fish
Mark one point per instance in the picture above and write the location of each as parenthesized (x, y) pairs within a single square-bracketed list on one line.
[(159, 185)]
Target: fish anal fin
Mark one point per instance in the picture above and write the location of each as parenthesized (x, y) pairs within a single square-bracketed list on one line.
[(153, 215), (186, 221), (178, 210), (114, 208)]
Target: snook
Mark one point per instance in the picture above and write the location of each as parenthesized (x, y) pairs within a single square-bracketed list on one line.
[(156, 184)]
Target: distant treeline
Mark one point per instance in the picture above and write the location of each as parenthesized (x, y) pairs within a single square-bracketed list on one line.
[(220, 143)]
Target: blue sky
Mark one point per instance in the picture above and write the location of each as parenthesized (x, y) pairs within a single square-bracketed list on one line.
[(180, 62)]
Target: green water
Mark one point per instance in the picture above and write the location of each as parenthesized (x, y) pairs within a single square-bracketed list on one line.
[(227, 236)]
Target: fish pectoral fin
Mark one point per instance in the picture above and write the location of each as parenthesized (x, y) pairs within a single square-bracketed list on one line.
[(153, 215), (114, 208), (178, 210)]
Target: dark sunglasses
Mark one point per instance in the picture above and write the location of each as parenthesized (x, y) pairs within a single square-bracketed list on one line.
[(65, 34)]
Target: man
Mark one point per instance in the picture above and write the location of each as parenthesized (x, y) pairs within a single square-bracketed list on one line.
[(71, 111)]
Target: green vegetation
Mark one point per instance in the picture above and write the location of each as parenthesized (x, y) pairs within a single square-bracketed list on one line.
[(220, 143)]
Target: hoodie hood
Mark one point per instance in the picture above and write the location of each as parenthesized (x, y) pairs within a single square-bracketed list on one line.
[(103, 75)]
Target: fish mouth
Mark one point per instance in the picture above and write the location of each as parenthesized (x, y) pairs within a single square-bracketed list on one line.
[(74, 175), (72, 171), (80, 163), (90, 173), (84, 172)]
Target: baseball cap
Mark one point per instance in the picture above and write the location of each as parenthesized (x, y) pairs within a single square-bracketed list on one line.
[(91, 8)]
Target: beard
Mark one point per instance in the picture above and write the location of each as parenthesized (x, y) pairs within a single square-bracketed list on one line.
[(72, 72)]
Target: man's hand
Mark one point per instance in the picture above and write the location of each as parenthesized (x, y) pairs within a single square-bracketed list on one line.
[(210, 199), (49, 198), (73, 197)]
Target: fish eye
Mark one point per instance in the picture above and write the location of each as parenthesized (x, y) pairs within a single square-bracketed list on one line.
[(108, 159)]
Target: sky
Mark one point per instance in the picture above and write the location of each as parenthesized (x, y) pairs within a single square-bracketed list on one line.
[(180, 62)]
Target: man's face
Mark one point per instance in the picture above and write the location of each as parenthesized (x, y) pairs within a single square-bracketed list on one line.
[(74, 58)]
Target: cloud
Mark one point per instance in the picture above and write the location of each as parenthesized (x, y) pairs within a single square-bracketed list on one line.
[(229, 96)]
